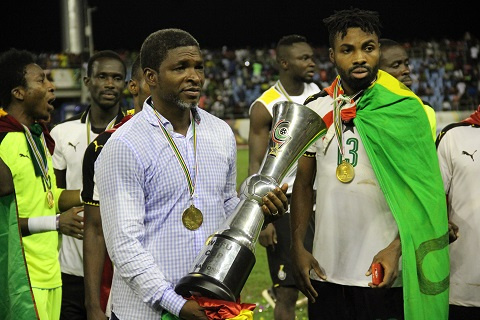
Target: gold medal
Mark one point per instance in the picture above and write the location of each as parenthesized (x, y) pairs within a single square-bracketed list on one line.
[(345, 172), (50, 199), (192, 218)]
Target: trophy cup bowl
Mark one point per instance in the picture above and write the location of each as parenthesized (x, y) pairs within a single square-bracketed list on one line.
[(225, 262)]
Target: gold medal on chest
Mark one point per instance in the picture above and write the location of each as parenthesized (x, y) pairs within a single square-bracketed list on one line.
[(345, 172), (50, 199), (192, 218)]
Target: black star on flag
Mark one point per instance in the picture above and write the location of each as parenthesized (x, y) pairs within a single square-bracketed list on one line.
[(349, 127)]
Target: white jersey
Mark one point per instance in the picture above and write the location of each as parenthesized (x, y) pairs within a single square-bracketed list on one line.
[(459, 158), (353, 221), (71, 140), (276, 94)]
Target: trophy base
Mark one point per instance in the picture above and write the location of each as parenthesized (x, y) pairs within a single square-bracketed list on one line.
[(204, 285), (216, 285)]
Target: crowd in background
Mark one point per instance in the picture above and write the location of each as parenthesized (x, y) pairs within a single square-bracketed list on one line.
[(445, 74)]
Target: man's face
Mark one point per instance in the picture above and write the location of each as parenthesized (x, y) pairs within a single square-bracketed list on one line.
[(299, 62), (394, 60), (180, 78), (140, 91), (38, 93), (106, 82), (356, 59)]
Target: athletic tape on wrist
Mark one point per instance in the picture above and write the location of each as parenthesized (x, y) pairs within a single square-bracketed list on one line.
[(42, 224)]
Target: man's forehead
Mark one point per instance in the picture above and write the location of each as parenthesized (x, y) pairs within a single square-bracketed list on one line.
[(33, 69), (108, 64), (181, 53)]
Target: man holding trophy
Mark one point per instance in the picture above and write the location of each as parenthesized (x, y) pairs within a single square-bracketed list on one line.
[(167, 181)]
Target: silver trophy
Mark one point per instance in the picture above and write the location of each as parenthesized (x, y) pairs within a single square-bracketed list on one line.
[(224, 264)]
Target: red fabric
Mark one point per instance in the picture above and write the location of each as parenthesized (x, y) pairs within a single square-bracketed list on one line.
[(118, 125), (347, 114), (10, 124), (328, 119), (106, 285), (221, 309), (474, 117)]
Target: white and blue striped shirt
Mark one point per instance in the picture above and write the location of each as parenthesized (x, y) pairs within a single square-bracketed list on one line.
[(143, 192)]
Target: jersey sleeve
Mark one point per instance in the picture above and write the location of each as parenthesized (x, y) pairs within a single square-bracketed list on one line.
[(92, 152), (444, 148), (58, 158)]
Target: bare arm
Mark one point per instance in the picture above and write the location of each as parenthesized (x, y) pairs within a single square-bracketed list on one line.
[(68, 199), (258, 137), (302, 201), (94, 252), (301, 211)]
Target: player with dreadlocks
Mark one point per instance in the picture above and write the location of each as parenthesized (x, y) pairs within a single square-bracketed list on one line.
[(380, 203)]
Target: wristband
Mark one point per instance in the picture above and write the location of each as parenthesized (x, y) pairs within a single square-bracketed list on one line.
[(57, 221), (42, 224)]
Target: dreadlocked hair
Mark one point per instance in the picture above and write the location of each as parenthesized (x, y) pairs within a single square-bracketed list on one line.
[(340, 21)]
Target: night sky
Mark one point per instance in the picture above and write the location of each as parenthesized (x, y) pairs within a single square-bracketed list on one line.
[(36, 25)]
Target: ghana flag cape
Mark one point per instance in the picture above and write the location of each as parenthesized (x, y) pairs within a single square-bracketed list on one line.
[(396, 133), (16, 297)]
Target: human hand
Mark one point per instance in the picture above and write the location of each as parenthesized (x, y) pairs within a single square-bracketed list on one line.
[(303, 261), (275, 203), (191, 310), (452, 232), (268, 236), (71, 224), (389, 259)]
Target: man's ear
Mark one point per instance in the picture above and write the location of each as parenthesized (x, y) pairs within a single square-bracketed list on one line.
[(132, 87), (86, 80), (18, 93), (331, 55), (150, 76)]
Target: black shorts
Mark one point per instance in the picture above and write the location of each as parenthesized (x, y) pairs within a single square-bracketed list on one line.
[(279, 259), (73, 298), (462, 313), (339, 302)]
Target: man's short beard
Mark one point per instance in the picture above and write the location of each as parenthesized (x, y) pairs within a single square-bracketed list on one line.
[(182, 105), (358, 84)]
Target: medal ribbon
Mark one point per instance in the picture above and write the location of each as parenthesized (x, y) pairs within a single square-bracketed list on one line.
[(337, 117), (339, 101), (282, 90), (39, 159), (191, 184)]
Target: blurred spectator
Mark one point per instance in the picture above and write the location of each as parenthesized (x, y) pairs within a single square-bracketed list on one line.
[(438, 69)]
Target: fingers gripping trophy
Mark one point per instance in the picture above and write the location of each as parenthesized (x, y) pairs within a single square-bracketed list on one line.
[(224, 264)]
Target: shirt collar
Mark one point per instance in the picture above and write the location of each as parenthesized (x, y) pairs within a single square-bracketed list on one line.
[(152, 118), (119, 117)]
